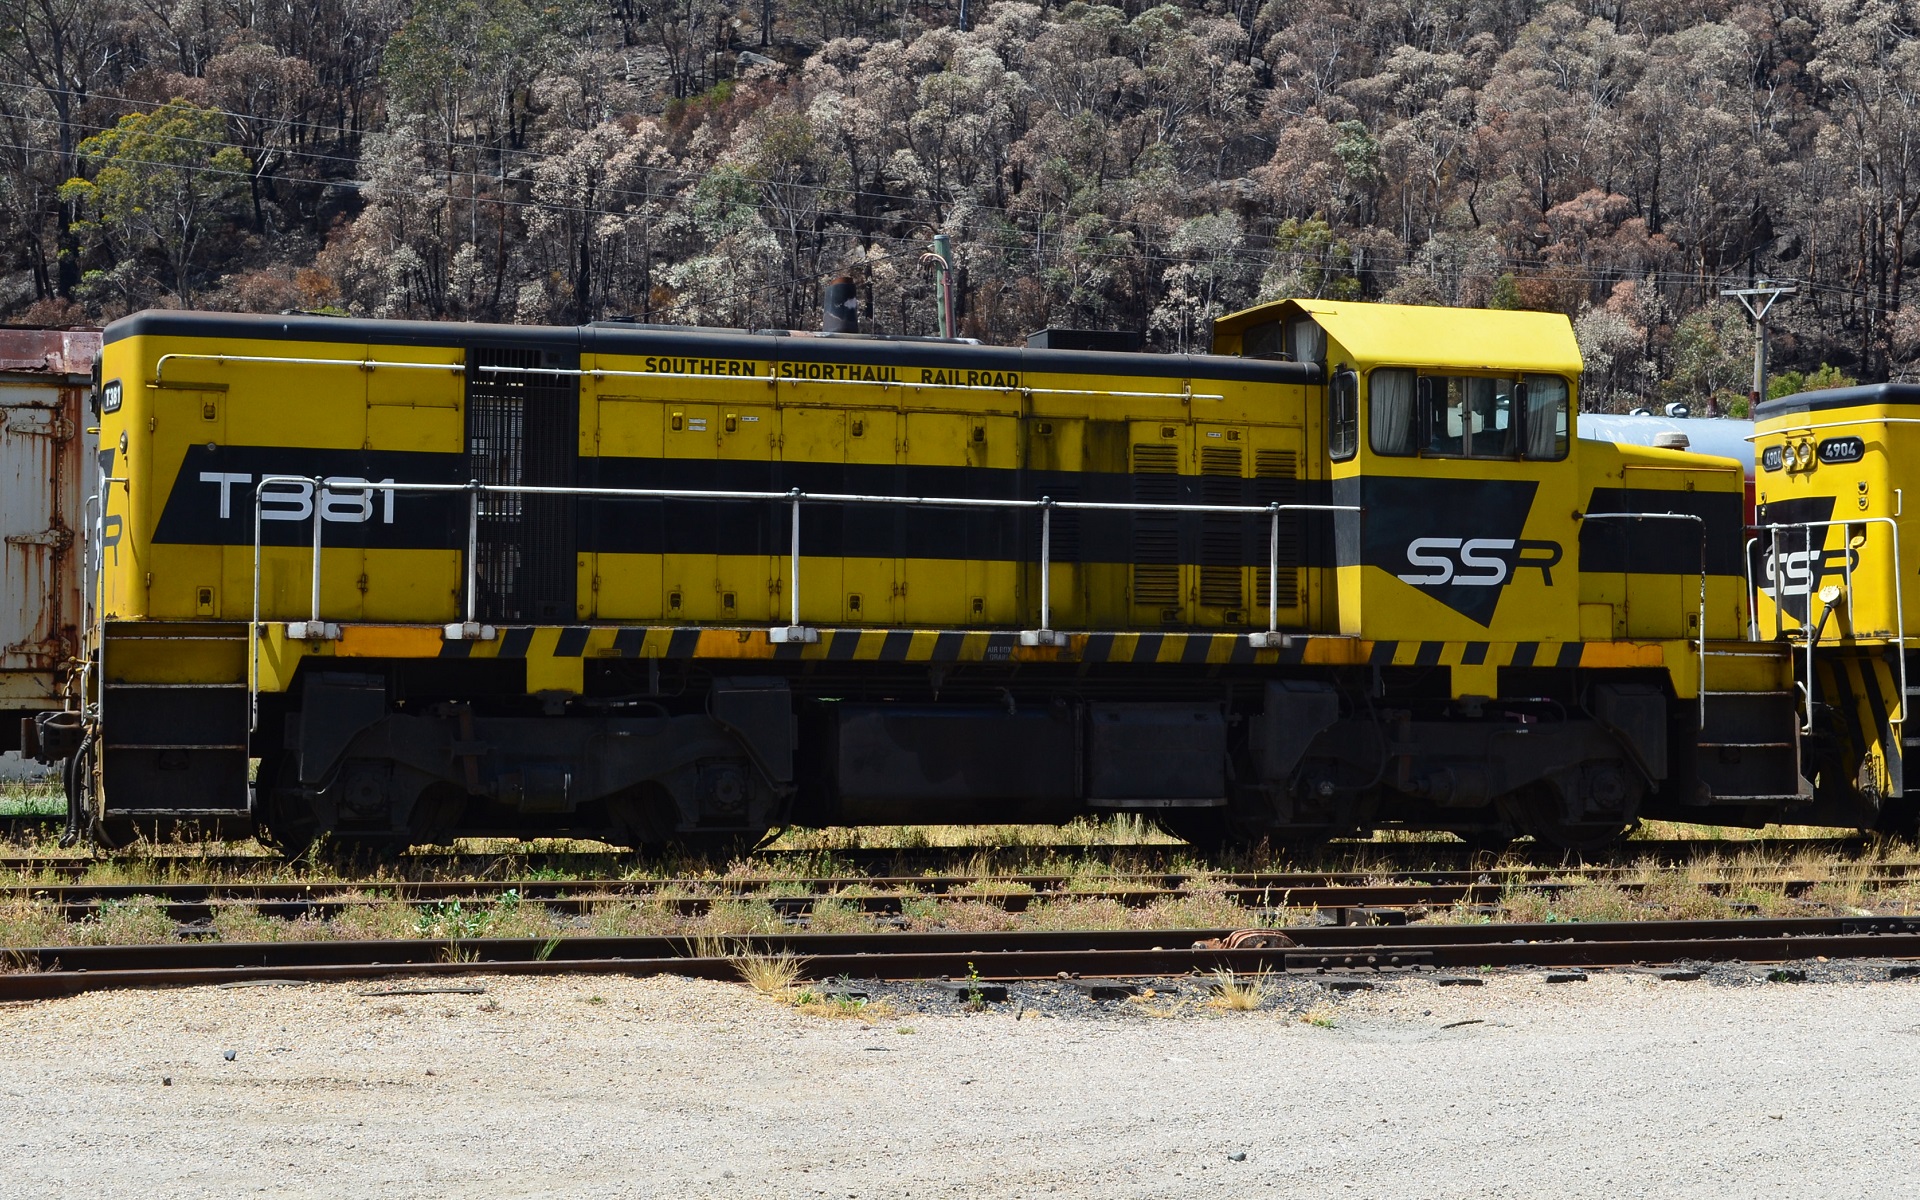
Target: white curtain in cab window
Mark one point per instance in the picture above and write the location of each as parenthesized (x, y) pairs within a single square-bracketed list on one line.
[(1546, 415), (1309, 342), (1390, 397)]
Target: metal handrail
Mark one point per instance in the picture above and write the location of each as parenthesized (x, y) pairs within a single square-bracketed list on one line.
[(323, 486), (1810, 627), (1697, 519), (365, 364)]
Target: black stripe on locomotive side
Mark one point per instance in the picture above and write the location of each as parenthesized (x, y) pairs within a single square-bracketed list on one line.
[(837, 530), (1663, 547), (1523, 654), (1147, 647), (1569, 655), (682, 643), (1429, 654), (628, 642), (572, 642), (896, 645), (1098, 648), (1474, 655), (461, 649), (514, 642), (1198, 646), (1382, 655)]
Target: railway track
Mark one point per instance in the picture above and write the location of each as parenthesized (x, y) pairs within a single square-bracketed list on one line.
[(1334, 952), (1346, 897), (1350, 856)]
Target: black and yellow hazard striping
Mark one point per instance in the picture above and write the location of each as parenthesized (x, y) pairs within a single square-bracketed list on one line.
[(942, 645), (1860, 690)]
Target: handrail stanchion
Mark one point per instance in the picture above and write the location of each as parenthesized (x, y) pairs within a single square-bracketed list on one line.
[(253, 627), (473, 551), (1753, 610), (794, 631), (319, 494), (1773, 567), (1045, 635), (1273, 576), (470, 629)]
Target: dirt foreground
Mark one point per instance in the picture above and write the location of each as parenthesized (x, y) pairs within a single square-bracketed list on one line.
[(598, 1086)]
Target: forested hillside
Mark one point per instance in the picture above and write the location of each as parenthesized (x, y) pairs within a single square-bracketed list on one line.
[(1142, 167)]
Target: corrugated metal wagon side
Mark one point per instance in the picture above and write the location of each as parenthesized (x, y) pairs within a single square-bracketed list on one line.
[(46, 378)]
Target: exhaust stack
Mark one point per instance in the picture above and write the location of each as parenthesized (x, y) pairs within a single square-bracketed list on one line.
[(840, 312)]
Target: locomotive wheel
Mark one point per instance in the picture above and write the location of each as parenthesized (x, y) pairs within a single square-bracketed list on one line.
[(282, 818), (1537, 811)]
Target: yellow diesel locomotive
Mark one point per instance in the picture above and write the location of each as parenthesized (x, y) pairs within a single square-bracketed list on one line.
[(1826, 560), (1352, 570)]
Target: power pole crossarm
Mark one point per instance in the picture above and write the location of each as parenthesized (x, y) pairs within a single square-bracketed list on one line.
[(1759, 300)]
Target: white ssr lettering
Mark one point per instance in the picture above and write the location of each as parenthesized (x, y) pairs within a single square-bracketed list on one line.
[(1478, 563), (1495, 569), (341, 502), (1442, 564)]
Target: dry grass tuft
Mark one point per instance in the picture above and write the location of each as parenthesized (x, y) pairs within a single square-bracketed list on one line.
[(1320, 1016), (768, 974), (1238, 993)]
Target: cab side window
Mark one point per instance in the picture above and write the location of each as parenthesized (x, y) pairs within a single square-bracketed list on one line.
[(1343, 416), (1543, 401), (1391, 407)]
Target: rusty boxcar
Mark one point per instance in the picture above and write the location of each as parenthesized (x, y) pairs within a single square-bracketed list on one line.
[(46, 378)]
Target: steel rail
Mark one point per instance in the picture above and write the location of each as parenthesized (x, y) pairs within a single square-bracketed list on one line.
[(44, 973), (1014, 892), (1365, 859)]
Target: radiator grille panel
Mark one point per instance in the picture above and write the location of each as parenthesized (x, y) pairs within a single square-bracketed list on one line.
[(523, 429)]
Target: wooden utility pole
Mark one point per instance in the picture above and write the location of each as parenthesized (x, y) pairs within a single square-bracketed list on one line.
[(1758, 300)]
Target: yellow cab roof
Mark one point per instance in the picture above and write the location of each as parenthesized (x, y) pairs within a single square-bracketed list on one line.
[(1418, 335)]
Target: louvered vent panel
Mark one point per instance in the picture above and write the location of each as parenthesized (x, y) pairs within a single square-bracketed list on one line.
[(1156, 539), (1221, 582), (1276, 481)]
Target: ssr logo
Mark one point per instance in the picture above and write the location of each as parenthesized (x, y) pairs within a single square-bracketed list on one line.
[(1478, 562), (1796, 573)]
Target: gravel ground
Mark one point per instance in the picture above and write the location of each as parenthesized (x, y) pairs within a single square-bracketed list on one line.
[(1620, 1085)]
